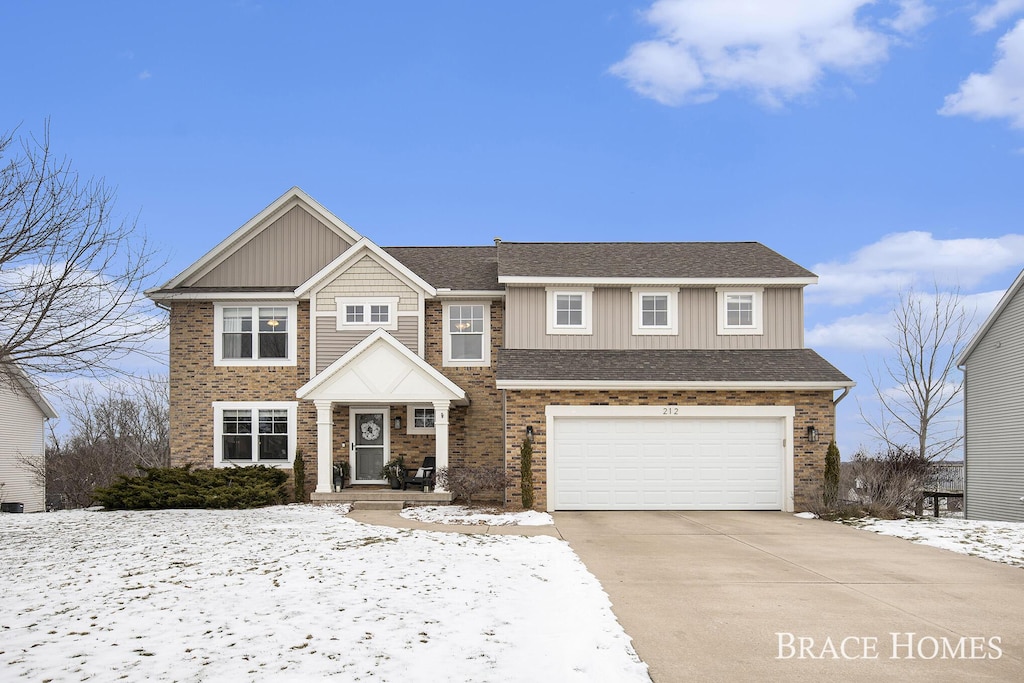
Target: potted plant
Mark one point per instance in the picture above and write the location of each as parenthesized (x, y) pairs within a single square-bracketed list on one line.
[(394, 472), (341, 475)]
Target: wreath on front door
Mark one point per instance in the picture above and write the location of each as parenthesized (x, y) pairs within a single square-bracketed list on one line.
[(370, 430)]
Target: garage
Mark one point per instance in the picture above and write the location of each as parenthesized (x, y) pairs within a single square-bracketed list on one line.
[(669, 458)]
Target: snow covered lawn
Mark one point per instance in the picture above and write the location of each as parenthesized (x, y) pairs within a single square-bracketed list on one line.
[(998, 541), (292, 593)]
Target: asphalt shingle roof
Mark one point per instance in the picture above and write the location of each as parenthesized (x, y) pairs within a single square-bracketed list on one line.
[(645, 259), (670, 365), (471, 268)]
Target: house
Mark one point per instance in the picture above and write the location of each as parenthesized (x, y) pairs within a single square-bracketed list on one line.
[(22, 439), (993, 366), (649, 375)]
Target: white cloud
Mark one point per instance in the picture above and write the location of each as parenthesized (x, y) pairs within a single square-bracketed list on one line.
[(991, 16), (855, 332), (903, 259), (999, 93), (913, 15), (145, 75), (775, 49)]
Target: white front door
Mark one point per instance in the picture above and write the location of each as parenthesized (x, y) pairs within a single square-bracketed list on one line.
[(370, 443)]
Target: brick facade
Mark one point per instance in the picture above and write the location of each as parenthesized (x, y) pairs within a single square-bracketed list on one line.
[(527, 408)]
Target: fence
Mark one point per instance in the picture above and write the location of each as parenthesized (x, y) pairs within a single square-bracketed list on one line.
[(947, 476)]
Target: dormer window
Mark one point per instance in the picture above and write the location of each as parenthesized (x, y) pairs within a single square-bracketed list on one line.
[(570, 311), (367, 313), (254, 334), (739, 311)]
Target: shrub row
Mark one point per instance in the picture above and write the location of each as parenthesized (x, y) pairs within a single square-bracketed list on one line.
[(183, 487)]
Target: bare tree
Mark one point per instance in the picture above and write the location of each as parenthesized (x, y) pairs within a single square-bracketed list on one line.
[(929, 332), (72, 274), (109, 434)]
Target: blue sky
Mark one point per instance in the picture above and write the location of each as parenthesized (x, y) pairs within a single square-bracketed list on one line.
[(879, 144)]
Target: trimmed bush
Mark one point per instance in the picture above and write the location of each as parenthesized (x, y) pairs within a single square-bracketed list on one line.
[(161, 488), (526, 470), (299, 476), (832, 471)]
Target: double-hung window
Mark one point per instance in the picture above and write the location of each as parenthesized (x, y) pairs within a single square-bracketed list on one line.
[(367, 313), (739, 311), (254, 433), (569, 311), (467, 339), (421, 420), (655, 311), (259, 334)]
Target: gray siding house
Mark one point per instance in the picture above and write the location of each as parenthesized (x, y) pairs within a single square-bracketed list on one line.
[(993, 365)]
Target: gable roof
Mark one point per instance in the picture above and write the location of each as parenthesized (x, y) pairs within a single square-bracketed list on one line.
[(712, 261), (455, 268), (697, 368), (29, 387), (364, 247), (243, 235), (991, 319)]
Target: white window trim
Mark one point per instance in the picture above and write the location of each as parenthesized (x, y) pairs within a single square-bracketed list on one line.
[(758, 298), (447, 360), (391, 302), (673, 311), (410, 414), (218, 431), (218, 333), (588, 311)]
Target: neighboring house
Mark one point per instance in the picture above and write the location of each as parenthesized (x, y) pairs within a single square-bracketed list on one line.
[(993, 365), (22, 437), (651, 375)]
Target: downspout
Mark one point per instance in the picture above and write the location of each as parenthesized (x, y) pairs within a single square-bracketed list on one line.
[(846, 390), (504, 439)]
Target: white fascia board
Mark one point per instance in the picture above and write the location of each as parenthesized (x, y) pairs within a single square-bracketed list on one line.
[(358, 349), (443, 293), (186, 295), (658, 281), (32, 391), (681, 386), (239, 237), (991, 319), (557, 410), (354, 253)]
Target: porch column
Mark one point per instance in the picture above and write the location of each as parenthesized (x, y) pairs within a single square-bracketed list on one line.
[(441, 436), (324, 446)]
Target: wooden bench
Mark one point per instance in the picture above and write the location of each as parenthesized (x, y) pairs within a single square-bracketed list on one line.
[(935, 495)]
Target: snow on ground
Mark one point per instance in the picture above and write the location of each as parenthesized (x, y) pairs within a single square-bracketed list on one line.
[(459, 514), (295, 592), (997, 541)]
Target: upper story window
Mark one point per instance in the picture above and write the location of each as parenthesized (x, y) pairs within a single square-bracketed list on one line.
[(254, 433), (569, 311), (739, 311), (257, 334), (655, 312), (367, 313), (467, 335)]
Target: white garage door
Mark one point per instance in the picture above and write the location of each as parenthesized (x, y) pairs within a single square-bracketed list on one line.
[(683, 463)]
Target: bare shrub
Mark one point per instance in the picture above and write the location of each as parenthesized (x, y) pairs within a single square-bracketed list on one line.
[(466, 482), (888, 484)]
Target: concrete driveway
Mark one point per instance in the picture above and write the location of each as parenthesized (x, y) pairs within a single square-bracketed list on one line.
[(705, 596)]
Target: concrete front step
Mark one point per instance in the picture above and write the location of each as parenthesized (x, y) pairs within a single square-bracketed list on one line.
[(397, 499), (378, 505)]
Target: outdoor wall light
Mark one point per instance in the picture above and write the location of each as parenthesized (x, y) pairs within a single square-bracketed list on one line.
[(812, 434), (529, 432), (398, 421)]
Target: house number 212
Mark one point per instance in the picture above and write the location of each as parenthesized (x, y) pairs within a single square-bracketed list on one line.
[(670, 411)]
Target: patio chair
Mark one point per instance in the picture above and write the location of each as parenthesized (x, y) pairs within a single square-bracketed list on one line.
[(422, 476)]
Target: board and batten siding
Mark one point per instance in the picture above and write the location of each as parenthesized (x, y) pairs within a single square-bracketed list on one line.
[(21, 435), (332, 344), (286, 253), (994, 412), (526, 326), (367, 277)]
